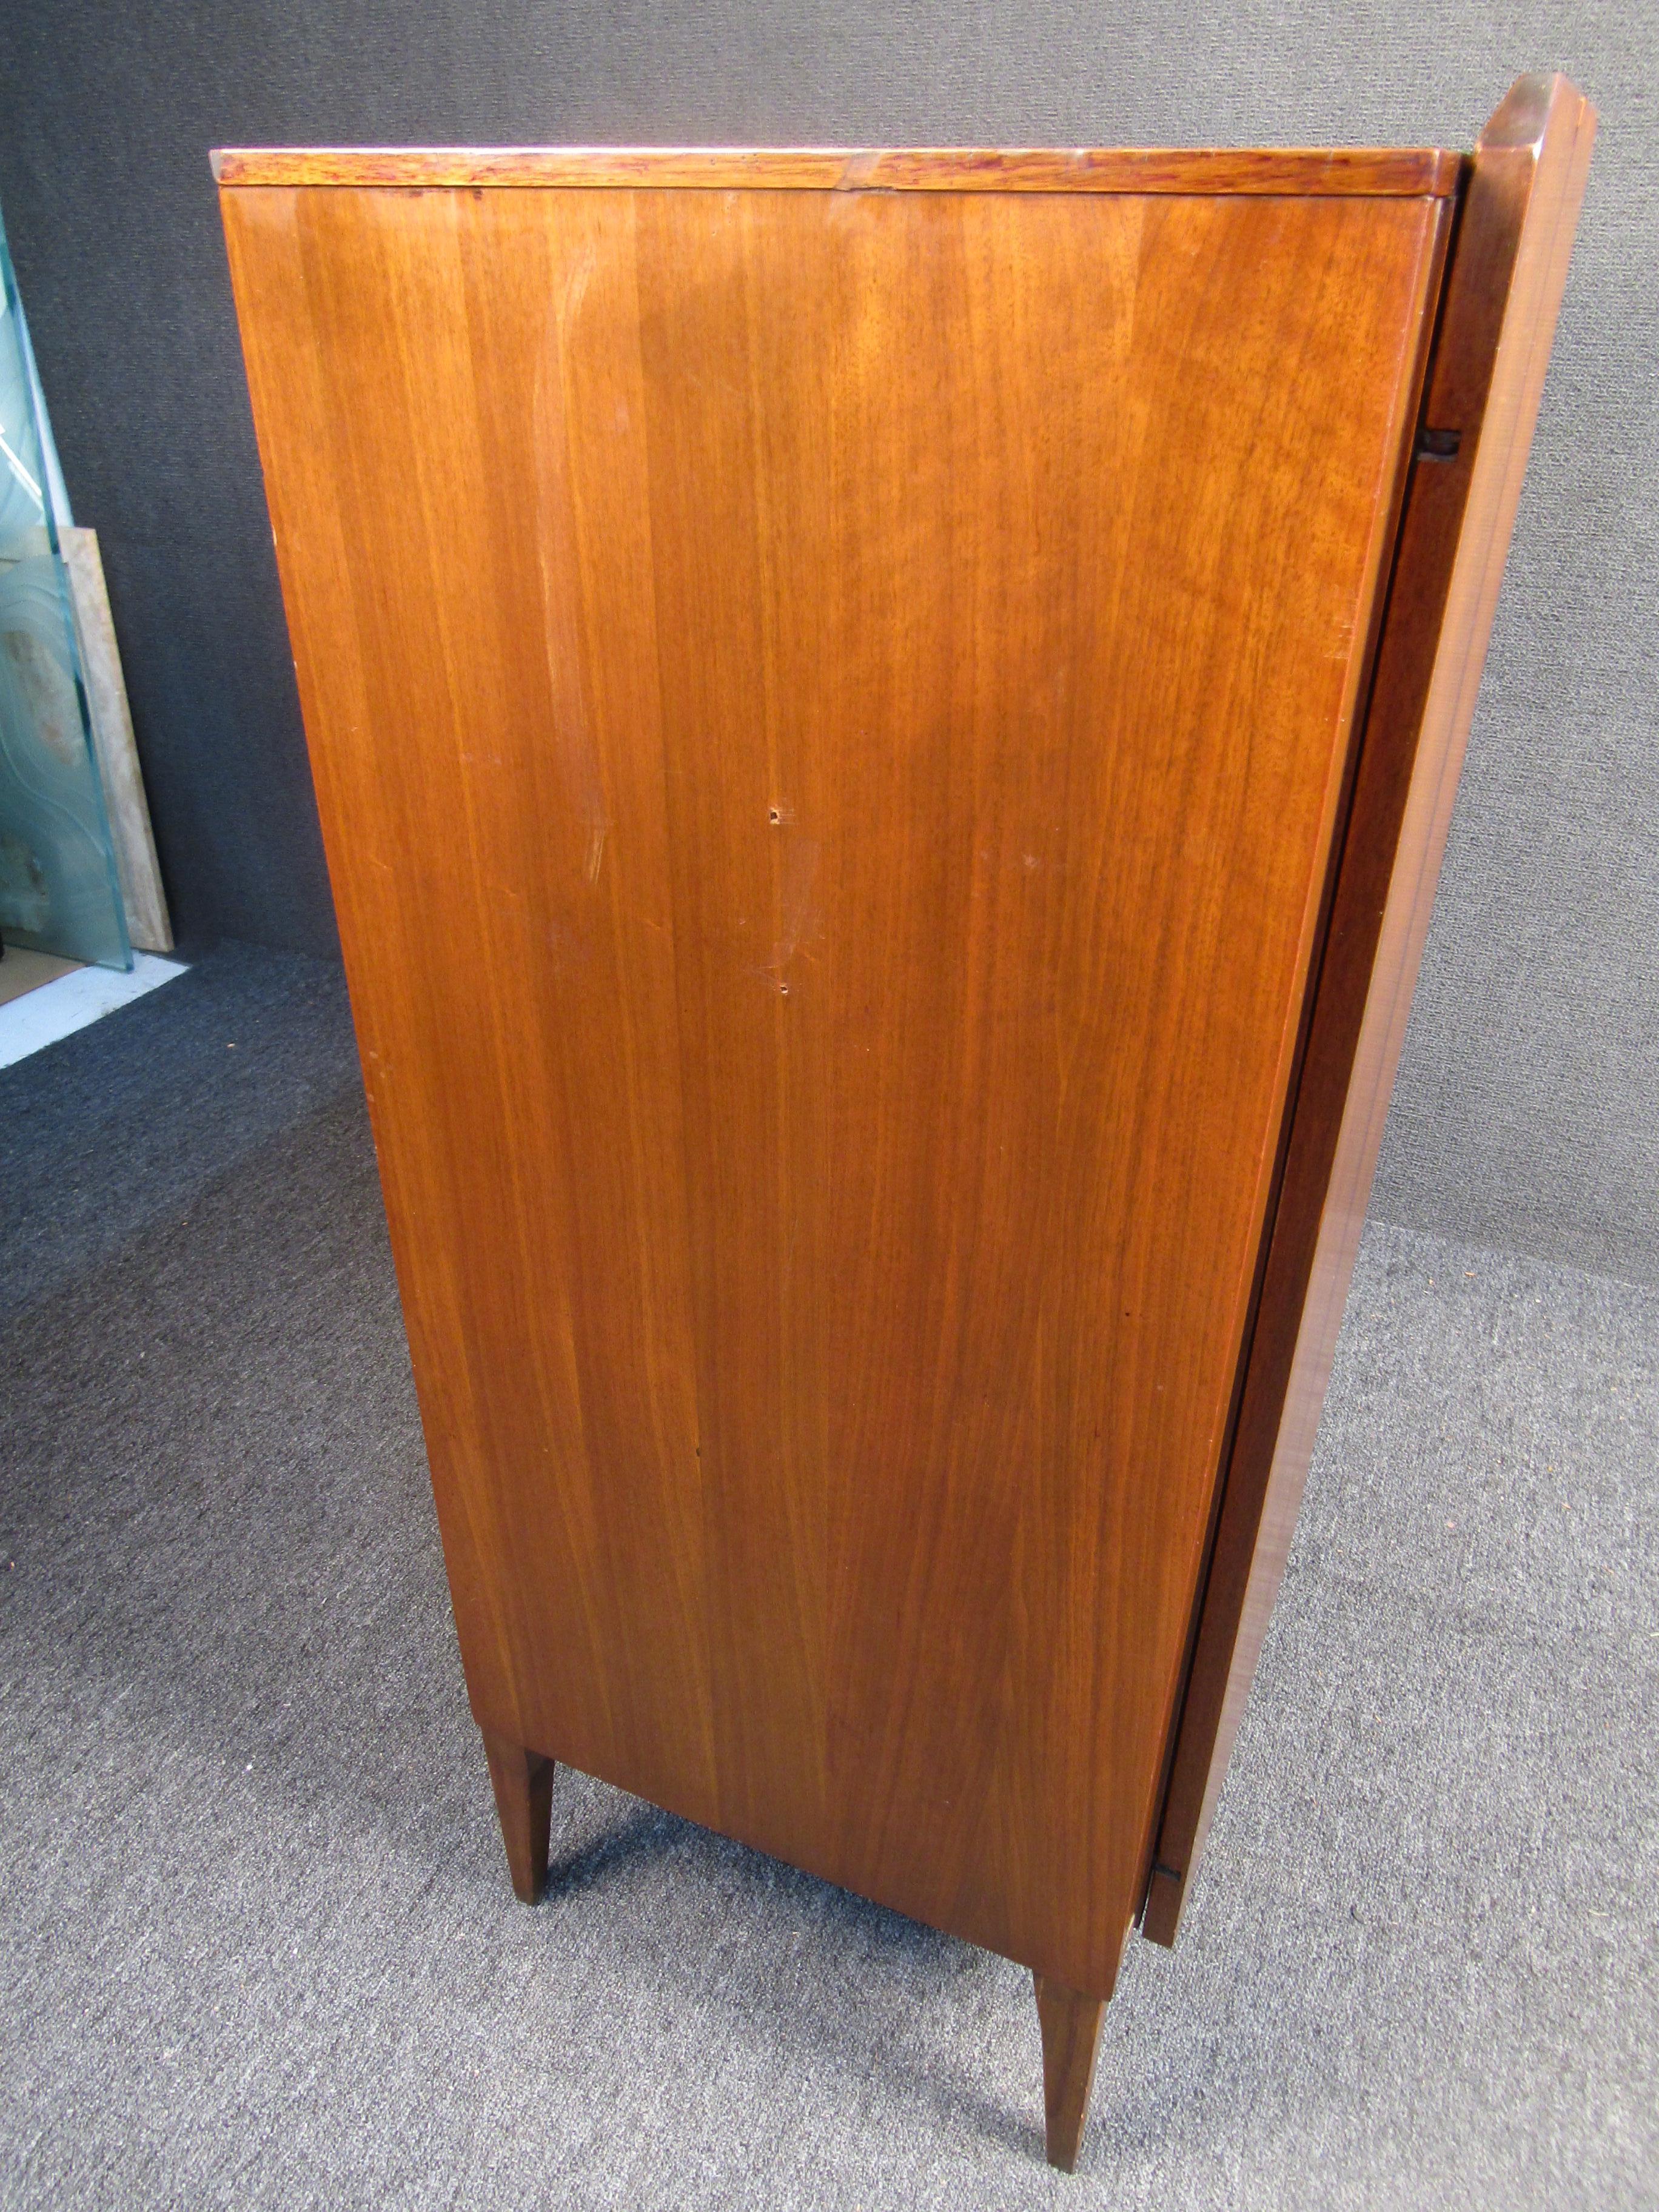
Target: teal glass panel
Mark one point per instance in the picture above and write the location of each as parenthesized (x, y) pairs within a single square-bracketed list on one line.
[(58, 889)]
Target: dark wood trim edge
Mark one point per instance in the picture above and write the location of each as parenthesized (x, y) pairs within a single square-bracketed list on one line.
[(1387, 171), (1502, 292)]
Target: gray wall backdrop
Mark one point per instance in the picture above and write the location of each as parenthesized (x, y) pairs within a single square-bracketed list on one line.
[(1525, 1114)]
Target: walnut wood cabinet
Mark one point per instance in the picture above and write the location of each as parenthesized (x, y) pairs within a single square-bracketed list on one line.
[(884, 726)]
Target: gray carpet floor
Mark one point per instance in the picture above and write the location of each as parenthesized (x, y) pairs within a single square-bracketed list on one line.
[(257, 1946)]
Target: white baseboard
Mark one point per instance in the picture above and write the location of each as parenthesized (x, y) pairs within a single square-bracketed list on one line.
[(57, 1010)]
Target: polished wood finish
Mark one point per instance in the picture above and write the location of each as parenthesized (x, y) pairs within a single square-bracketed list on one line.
[(790, 827), (1502, 297), (1070, 2023), (1406, 173), (834, 710), (523, 1782)]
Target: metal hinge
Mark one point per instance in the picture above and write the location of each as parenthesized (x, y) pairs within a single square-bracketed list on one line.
[(1439, 445)]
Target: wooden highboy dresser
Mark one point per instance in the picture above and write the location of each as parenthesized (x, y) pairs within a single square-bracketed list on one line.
[(884, 726)]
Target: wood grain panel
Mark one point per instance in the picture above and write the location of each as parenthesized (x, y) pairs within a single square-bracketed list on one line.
[(1402, 173), (1502, 295), (829, 713)]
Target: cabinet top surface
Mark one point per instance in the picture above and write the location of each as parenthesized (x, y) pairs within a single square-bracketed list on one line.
[(1293, 172)]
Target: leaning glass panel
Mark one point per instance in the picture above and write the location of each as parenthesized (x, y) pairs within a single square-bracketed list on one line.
[(59, 889)]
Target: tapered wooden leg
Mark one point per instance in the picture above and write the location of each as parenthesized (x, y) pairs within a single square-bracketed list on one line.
[(1071, 2037), (523, 1782)]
